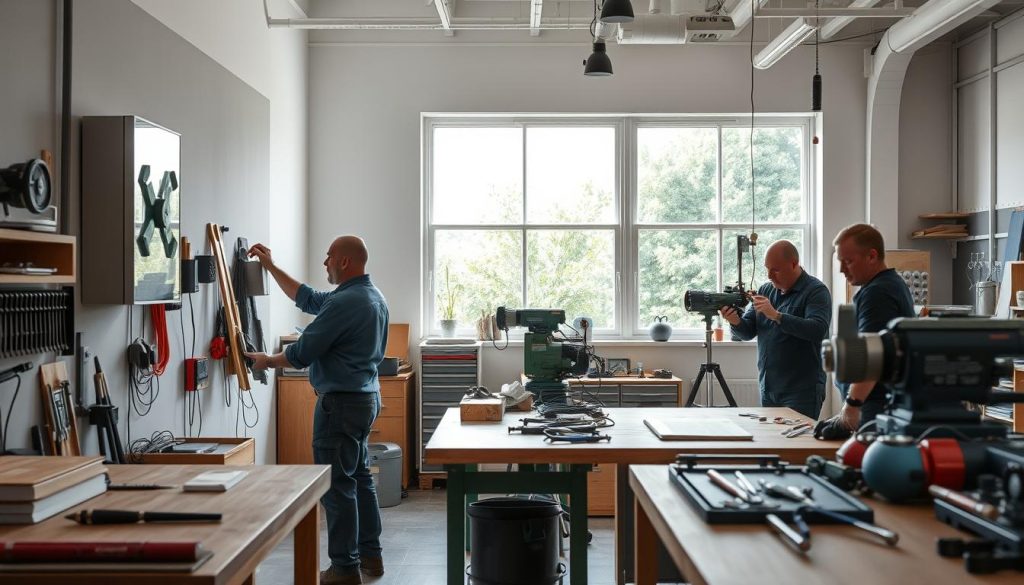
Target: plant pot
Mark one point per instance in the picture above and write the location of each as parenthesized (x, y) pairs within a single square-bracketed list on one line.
[(448, 327)]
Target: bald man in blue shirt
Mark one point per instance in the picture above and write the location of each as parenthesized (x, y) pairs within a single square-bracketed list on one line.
[(789, 316), (342, 348)]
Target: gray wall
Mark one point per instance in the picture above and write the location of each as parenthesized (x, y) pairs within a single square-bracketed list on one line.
[(366, 102), (127, 61), (925, 159)]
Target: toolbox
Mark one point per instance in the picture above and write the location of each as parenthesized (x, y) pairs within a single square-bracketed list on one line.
[(690, 474)]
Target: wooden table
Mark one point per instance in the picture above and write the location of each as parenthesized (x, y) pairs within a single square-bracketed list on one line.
[(259, 512), (458, 445), (719, 554)]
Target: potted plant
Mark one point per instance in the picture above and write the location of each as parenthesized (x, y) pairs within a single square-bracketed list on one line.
[(446, 304)]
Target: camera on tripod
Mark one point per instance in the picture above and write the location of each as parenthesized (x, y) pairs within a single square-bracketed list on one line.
[(736, 296)]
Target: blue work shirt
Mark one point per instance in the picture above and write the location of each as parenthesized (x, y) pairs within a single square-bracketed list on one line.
[(884, 298), (789, 352), (345, 342)]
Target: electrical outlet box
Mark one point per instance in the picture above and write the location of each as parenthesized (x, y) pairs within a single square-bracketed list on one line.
[(197, 373), (131, 212)]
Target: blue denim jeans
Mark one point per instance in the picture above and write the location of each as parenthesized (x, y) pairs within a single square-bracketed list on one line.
[(807, 403), (341, 432)]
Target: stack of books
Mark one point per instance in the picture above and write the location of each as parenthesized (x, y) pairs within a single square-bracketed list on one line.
[(34, 488)]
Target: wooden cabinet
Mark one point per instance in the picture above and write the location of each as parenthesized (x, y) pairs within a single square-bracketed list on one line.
[(296, 401)]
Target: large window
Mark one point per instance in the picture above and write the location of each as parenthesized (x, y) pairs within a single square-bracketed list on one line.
[(612, 218)]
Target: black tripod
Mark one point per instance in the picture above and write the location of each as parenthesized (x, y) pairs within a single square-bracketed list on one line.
[(709, 366)]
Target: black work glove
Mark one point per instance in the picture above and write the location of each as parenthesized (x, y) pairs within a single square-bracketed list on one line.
[(832, 429)]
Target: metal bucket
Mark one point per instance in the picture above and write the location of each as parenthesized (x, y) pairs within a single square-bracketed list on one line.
[(985, 301)]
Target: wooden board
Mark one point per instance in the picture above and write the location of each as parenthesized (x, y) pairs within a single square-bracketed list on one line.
[(62, 436), (230, 451), (481, 409), (235, 337), (398, 341), (30, 478)]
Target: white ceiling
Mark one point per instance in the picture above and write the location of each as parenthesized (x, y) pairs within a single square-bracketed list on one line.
[(565, 21)]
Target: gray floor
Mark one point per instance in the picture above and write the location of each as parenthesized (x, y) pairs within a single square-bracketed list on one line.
[(414, 547)]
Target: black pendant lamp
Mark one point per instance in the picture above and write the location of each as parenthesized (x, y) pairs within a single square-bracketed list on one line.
[(598, 64), (616, 11)]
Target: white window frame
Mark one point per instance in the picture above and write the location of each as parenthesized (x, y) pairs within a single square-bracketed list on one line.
[(626, 231)]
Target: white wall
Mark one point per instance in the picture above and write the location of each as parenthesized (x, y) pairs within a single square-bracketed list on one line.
[(366, 102), (258, 188), (274, 62), (925, 158)]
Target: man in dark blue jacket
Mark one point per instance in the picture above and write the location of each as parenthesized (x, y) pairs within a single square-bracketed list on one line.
[(883, 296), (342, 348), (790, 316)]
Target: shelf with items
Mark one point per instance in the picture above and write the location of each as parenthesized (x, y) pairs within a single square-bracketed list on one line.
[(943, 231), (41, 250), (914, 267), (1010, 414)]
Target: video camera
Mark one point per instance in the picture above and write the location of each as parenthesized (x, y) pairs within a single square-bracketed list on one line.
[(708, 303), (547, 360), (928, 442)]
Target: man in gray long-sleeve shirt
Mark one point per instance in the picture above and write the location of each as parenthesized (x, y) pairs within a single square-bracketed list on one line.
[(342, 347), (790, 316)]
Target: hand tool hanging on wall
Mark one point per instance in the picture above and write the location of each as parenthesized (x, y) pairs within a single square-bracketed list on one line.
[(62, 429), (235, 339), (246, 273)]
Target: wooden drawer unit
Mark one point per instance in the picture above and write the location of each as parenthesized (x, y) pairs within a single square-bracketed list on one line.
[(296, 402), (601, 490)]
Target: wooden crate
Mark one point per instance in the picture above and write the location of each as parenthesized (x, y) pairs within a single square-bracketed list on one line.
[(243, 452), (428, 481)]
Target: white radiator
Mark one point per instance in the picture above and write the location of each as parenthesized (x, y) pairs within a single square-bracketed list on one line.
[(745, 392)]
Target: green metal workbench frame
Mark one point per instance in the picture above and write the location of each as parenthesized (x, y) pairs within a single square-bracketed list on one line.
[(464, 483)]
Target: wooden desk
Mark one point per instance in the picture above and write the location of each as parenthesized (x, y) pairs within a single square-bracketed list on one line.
[(457, 445), (259, 512), (712, 554)]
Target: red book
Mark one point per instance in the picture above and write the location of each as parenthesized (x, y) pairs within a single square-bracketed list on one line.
[(448, 357), (100, 552)]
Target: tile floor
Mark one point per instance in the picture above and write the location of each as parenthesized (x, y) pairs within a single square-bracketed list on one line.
[(414, 547)]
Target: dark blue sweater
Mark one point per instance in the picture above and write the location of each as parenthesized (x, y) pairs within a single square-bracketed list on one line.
[(884, 298), (789, 352), (345, 342)]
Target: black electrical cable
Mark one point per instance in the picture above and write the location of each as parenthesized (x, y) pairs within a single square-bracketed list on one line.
[(753, 183), (850, 38), (7, 422), (816, 80)]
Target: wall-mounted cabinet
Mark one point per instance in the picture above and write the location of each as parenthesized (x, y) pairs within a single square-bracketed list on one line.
[(130, 211)]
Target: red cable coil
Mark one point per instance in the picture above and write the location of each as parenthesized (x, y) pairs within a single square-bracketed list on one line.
[(159, 315)]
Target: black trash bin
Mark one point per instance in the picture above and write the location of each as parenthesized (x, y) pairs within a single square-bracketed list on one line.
[(514, 542)]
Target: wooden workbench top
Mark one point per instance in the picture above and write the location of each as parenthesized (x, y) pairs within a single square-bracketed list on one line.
[(840, 555), (632, 442)]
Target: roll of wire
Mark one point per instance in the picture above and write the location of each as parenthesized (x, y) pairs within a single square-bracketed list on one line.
[(159, 315)]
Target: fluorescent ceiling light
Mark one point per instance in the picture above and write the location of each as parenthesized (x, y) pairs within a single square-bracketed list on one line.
[(794, 34), (741, 11)]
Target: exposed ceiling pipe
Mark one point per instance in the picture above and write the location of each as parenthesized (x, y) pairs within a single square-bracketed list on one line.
[(888, 71), (457, 24), (834, 25), (653, 29), (931, 21)]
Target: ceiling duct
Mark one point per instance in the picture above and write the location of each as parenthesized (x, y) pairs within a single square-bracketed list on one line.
[(653, 29)]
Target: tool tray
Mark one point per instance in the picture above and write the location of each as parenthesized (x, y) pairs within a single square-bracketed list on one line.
[(707, 498)]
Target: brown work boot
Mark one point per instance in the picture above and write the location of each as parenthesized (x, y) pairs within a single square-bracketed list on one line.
[(332, 576), (372, 566)]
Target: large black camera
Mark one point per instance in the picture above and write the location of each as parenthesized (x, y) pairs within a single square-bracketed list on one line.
[(708, 303)]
